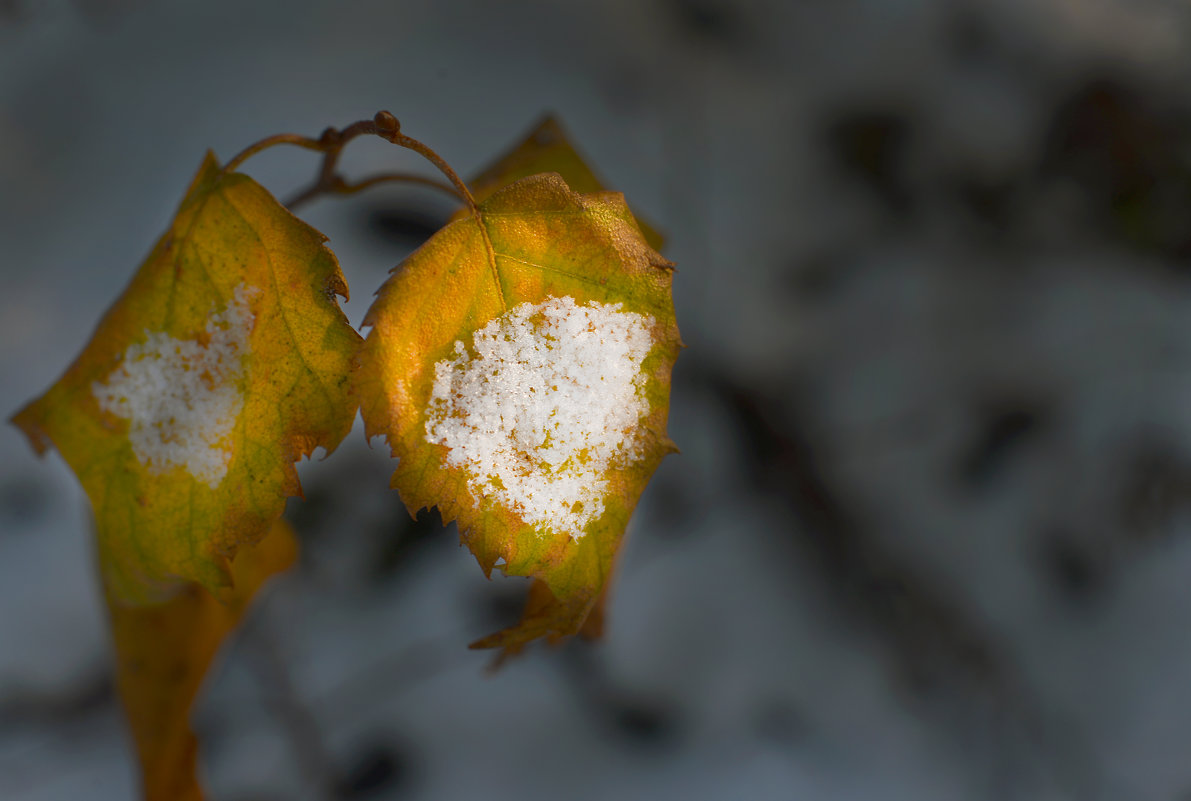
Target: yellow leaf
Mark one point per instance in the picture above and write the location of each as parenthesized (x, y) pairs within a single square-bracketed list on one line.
[(519, 366), (163, 651), (546, 148), (223, 363)]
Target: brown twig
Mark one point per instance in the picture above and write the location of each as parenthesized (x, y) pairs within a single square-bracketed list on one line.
[(268, 142), (331, 144), (338, 186), (281, 698), (392, 131), (328, 181), (387, 127)]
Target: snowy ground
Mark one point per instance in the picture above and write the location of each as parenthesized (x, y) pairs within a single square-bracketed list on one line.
[(930, 533)]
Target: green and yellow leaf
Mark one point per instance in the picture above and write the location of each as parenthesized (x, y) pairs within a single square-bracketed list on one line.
[(163, 651), (223, 363), (547, 148), (519, 366)]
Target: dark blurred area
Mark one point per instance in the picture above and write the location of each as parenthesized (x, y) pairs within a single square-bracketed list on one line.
[(929, 536)]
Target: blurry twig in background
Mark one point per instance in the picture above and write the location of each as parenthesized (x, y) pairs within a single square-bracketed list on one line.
[(281, 698)]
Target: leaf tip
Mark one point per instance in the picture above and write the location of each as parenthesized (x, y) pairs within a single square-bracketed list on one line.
[(336, 284), (38, 439), (485, 558)]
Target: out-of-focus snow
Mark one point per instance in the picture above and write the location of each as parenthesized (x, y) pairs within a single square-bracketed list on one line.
[(928, 535)]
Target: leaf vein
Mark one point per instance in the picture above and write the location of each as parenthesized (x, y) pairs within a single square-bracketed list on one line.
[(544, 268)]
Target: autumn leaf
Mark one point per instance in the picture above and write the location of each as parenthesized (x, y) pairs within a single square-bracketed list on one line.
[(163, 651), (547, 148), (223, 363), (519, 367)]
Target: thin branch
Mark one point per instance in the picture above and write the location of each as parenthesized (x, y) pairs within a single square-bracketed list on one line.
[(392, 131), (281, 698), (337, 186), (331, 144), (401, 139), (264, 144)]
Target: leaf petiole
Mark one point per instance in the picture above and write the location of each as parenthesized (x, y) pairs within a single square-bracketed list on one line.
[(337, 186), (331, 144)]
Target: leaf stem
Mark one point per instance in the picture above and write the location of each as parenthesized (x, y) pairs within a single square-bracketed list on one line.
[(328, 181), (270, 141), (392, 132), (338, 186), (331, 143)]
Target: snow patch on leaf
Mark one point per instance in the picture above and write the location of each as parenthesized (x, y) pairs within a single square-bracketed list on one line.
[(181, 397), (548, 398)]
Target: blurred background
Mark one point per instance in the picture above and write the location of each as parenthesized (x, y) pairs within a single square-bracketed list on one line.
[(930, 533)]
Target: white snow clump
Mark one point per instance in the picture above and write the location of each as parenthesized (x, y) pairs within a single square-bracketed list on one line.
[(181, 397), (546, 400)]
